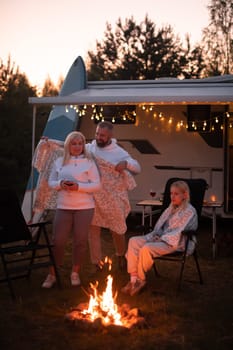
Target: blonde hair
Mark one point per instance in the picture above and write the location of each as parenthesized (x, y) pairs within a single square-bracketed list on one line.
[(184, 188), (69, 138)]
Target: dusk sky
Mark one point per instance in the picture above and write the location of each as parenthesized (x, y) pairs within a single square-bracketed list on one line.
[(44, 37)]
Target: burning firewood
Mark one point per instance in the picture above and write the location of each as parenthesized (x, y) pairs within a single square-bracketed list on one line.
[(102, 311)]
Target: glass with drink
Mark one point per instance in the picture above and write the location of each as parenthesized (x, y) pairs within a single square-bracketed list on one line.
[(152, 193)]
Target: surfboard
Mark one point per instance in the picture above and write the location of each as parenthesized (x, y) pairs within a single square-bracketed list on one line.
[(61, 121)]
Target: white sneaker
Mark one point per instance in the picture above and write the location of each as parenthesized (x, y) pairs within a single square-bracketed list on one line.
[(74, 278), (49, 281)]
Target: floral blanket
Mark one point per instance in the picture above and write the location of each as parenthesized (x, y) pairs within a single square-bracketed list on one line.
[(112, 202), (46, 153)]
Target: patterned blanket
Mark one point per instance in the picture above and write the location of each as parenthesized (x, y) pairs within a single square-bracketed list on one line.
[(112, 202), (46, 153)]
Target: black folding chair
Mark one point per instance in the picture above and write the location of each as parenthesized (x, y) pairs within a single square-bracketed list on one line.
[(20, 252), (197, 192)]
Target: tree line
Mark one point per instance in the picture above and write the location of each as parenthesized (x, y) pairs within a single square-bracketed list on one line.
[(129, 51)]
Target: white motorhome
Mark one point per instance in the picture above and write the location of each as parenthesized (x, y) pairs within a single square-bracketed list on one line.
[(174, 128), (167, 144)]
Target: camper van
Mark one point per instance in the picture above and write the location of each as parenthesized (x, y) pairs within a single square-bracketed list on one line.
[(187, 141), (174, 128)]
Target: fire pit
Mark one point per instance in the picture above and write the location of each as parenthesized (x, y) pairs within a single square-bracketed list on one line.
[(102, 310)]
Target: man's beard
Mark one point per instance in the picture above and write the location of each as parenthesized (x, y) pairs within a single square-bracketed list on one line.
[(103, 144)]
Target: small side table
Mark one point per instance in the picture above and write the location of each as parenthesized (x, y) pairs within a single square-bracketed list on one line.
[(149, 203), (213, 206)]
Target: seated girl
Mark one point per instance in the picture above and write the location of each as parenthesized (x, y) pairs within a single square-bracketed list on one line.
[(165, 238)]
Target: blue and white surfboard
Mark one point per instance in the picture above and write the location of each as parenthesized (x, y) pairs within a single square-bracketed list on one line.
[(61, 121)]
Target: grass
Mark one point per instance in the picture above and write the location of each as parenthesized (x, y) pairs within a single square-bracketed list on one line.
[(200, 317)]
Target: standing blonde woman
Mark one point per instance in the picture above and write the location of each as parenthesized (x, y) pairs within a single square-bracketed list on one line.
[(164, 239), (75, 176)]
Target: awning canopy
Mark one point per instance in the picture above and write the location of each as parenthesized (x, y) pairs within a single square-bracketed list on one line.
[(214, 90)]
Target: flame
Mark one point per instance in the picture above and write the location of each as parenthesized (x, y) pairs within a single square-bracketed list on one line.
[(103, 305)]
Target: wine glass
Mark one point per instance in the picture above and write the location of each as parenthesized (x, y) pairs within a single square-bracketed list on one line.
[(152, 193)]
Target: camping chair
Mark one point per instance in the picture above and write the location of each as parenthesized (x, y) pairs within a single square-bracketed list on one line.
[(197, 191), (20, 252)]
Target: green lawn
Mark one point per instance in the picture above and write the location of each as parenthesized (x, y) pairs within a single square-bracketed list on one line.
[(200, 317)]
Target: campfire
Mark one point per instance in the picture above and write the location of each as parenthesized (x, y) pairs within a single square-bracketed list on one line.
[(102, 309)]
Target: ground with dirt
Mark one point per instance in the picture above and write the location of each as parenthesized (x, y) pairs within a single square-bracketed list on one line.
[(200, 317)]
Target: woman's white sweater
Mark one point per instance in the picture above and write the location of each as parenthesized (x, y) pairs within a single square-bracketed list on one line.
[(84, 172)]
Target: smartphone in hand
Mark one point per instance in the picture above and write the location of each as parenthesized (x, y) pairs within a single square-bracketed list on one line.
[(69, 183)]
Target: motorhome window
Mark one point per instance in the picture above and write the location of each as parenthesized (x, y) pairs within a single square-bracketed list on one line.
[(215, 137), (199, 118), (115, 114), (144, 146)]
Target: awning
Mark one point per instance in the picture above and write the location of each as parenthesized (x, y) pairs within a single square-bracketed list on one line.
[(215, 90)]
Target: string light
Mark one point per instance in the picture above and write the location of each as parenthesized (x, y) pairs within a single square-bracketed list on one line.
[(127, 114), (212, 124), (115, 114)]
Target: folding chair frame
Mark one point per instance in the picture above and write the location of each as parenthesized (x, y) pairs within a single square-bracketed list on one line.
[(20, 252), (180, 257)]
